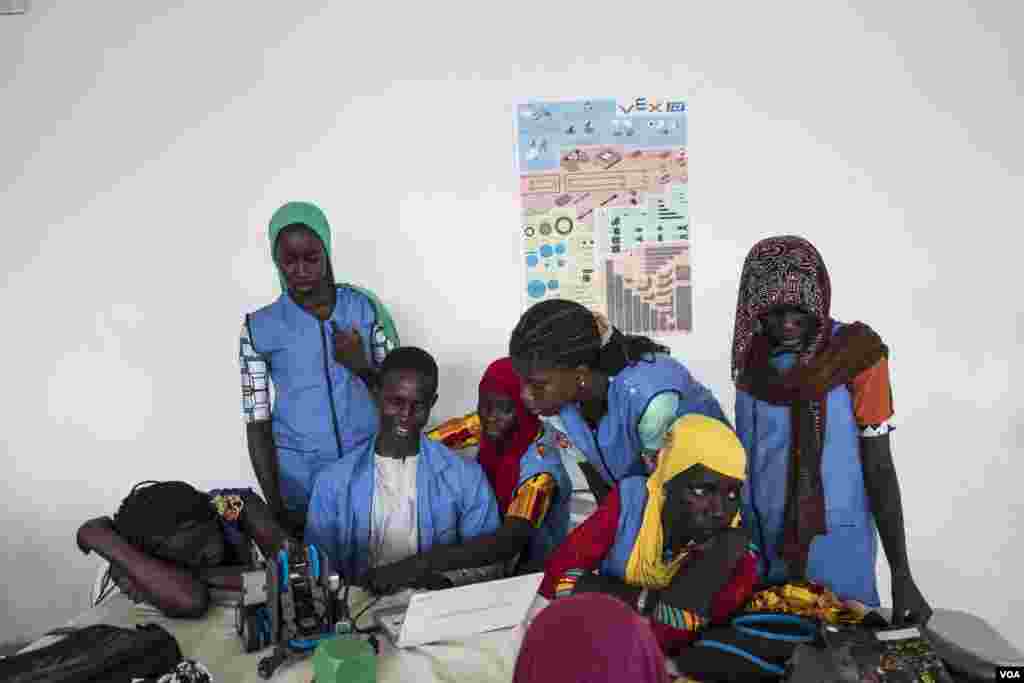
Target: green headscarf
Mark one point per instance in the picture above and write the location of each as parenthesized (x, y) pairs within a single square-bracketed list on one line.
[(307, 214), (311, 216)]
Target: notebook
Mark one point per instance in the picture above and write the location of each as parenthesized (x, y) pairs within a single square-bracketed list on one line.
[(455, 613)]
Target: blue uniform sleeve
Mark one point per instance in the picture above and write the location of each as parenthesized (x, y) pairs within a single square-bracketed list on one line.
[(702, 401), (322, 528), (376, 344), (479, 513)]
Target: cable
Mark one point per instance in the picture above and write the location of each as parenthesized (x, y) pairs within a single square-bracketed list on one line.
[(744, 624), (355, 622), (107, 586), (732, 649)]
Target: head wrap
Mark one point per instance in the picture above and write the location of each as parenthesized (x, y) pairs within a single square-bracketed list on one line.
[(789, 271), (302, 213), (590, 637), (310, 215), (693, 440), (780, 271), (501, 461)]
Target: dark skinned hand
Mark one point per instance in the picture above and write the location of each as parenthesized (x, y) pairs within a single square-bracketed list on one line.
[(348, 349), (908, 605), (695, 585), (393, 577), (87, 533)]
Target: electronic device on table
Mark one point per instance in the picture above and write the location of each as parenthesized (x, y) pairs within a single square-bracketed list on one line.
[(459, 612)]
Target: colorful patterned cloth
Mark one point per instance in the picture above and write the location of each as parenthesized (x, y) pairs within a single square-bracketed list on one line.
[(807, 599)]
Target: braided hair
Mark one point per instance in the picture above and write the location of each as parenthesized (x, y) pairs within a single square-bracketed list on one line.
[(154, 511), (565, 334)]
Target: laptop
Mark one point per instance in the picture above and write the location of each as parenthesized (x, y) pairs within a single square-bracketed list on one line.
[(456, 613)]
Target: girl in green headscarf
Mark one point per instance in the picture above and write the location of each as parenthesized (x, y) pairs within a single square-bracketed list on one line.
[(320, 344)]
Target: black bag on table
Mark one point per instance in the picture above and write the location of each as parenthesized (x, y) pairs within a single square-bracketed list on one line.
[(96, 653), (752, 648)]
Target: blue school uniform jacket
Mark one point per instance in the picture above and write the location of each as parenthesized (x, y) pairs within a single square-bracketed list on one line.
[(843, 559), (321, 411), (454, 502), (615, 449)]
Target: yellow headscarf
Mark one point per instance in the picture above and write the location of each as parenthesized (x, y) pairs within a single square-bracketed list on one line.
[(692, 440)]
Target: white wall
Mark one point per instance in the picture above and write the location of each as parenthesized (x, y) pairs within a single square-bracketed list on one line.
[(142, 151)]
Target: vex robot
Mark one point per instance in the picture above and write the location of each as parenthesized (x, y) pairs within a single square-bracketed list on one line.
[(292, 605)]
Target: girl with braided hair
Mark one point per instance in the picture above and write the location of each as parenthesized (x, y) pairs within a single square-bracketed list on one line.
[(165, 534), (613, 397)]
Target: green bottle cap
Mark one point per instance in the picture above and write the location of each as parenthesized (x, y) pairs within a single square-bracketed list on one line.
[(344, 659)]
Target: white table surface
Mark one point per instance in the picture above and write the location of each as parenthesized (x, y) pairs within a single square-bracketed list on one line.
[(214, 642)]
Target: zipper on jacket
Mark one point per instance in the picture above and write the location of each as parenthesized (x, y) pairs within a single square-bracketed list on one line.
[(330, 387)]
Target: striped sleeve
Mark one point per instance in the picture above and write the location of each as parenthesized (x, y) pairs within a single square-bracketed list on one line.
[(255, 386), (583, 549), (533, 499)]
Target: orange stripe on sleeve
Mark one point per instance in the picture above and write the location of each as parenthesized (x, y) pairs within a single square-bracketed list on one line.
[(533, 499)]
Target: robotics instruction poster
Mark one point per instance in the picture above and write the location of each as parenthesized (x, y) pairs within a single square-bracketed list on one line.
[(605, 219)]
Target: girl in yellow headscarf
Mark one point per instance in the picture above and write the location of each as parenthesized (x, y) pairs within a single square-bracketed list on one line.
[(669, 544)]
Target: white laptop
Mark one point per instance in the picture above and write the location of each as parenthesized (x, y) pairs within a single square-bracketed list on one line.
[(460, 612)]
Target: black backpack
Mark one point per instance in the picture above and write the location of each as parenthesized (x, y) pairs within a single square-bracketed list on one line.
[(94, 654)]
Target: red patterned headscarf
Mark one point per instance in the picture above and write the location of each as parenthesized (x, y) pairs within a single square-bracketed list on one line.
[(780, 271), (502, 465)]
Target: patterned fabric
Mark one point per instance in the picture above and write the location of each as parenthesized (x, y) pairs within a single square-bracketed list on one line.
[(380, 344), (807, 599), (188, 671), (229, 507), (567, 583), (781, 271), (255, 387), (585, 546), (229, 504), (681, 619), (458, 433), (876, 430), (533, 499)]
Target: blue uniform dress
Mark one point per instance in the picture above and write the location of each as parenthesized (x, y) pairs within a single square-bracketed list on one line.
[(454, 503), (615, 450), (843, 559), (321, 411)]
